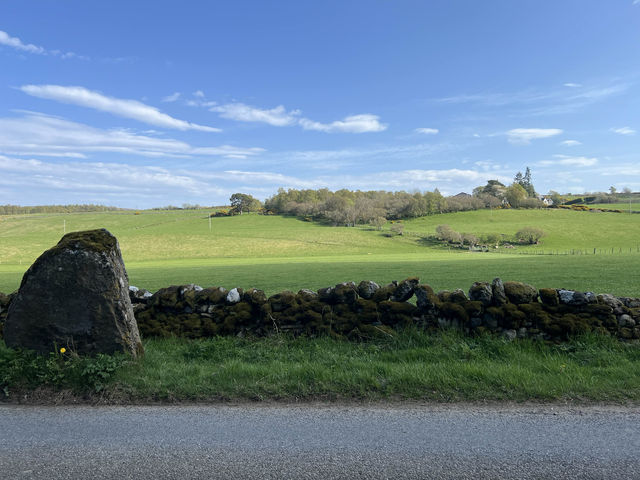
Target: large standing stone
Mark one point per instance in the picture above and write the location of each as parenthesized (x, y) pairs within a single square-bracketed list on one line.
[(75, 295)]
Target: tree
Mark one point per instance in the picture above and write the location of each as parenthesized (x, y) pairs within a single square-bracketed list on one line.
[(515, 194), (242, 202), (378, 222), (525, 182), (529, 235)]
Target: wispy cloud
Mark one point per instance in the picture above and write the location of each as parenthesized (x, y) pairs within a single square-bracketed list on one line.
[(120, 107), (172, 98), (97, 181), (37, 134), (624, 131), (524, 136), (570, 143), (427, 131), (559, 100), (278, 116), (565, 160), (362, 123), (16, 43)]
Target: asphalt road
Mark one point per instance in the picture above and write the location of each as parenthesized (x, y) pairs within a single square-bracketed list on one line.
[(314, 442)]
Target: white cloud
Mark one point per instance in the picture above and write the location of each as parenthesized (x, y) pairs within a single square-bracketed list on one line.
[(572, 85), (91, 181), (569, 161), (524, 136), (172, 98), (570, 143), (278, 116), (198, 93), (36, 134), (624, 131), (427, 131), (353, 124), (116, 106), (15, 42)]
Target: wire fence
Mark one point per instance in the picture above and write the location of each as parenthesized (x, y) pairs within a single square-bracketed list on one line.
[(572, 251)]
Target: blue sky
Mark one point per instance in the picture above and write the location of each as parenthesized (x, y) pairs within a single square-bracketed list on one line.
[(143, 104)]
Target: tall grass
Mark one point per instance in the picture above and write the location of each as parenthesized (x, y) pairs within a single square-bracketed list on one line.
[(443, 366)]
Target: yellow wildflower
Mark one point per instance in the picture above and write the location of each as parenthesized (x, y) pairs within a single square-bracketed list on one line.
[(62, 350)]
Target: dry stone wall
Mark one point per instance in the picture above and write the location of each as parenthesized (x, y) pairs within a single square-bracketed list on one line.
[(366, 310)]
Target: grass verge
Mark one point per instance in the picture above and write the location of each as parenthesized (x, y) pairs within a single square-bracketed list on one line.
[(414, 365)]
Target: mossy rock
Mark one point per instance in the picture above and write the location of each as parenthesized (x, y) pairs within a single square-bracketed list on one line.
[(497, 288), (401, 308), (306, 295), (474, 308), (444, 296), (367, 288), (344, 293), (597, 309), (549, 296), (426, 299), (404, 290), (496, 313), (254, 297), (309, 317), (191, 326), (281, 301), (518, 292), (482, 292), (325, 294), (458, 296), (568, 324), (383, 293), (397, 313), (99, 240), (212, 296), (456, 311), (513, 317), (242, 312), (209, 328), (168, 297)]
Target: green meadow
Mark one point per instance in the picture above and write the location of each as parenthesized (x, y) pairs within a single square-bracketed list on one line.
[(274, 253)]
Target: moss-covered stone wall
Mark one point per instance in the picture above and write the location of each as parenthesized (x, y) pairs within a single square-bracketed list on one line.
[(365, 310)]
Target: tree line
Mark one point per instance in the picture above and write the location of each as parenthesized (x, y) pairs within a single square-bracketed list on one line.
[(19, 210), (349, 207)]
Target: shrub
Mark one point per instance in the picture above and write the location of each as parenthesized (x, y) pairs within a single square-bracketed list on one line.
[(529, 235)]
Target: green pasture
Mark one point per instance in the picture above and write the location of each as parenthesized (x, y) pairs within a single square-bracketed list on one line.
[(276, 253), (635, 206)]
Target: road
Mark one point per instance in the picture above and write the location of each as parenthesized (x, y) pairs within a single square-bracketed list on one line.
[(317, 442)]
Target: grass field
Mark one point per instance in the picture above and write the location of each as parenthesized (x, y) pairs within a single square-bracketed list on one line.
[(442, 367), (635, 206), (275, 253)]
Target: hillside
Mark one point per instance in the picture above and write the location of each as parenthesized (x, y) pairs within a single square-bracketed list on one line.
[(275, 253)]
